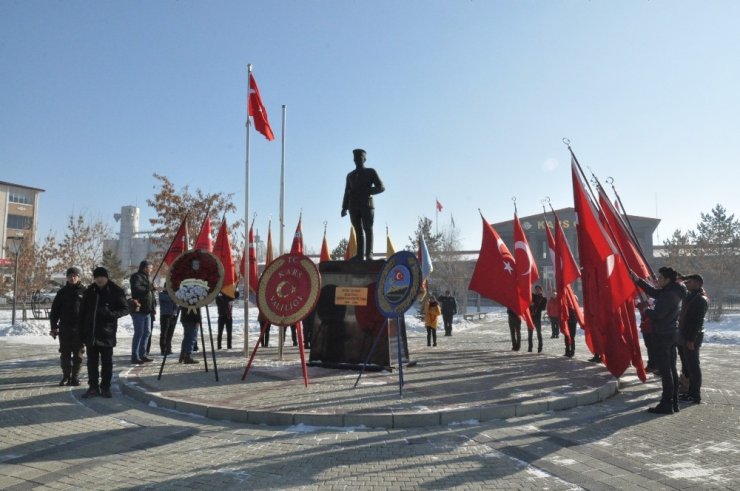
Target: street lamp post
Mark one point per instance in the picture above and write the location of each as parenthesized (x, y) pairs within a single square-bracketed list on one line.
[(15, 248)]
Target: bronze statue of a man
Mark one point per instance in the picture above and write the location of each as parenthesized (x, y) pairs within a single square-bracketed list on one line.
[(362, 184)]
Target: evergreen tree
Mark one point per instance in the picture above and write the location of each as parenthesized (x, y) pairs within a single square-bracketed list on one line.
[(337, 254), (113, 265)]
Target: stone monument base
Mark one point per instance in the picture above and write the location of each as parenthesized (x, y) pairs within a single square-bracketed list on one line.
[(347, 320)]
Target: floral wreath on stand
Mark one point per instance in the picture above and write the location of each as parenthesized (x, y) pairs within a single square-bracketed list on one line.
[(194, 279)]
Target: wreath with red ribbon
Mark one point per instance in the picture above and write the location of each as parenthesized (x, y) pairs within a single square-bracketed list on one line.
[(194, 279)]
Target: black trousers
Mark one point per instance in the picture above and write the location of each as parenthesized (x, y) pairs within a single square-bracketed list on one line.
[(515, 328), (266, 335), (570, 348), (647, 338), (538, 328), (431, 336), (555, 326), (292, 335), (447, 319), (665, 352), (104, 356), (362, 220), (167, 325), (693, 368), (224, 323), (70, 358)]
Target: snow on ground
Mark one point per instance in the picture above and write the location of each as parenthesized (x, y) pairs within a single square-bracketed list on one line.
[(724, 332)]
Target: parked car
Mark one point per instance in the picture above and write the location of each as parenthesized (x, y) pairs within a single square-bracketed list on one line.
[(46, 296)]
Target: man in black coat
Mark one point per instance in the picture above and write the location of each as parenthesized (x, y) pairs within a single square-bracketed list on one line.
[(691, 327), (103, 304), (225, 305), (449, 308), (664, 317), (142, 296), (65, 324)]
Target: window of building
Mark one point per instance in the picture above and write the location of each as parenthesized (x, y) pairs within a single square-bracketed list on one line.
[(19, 222), (20, 196)]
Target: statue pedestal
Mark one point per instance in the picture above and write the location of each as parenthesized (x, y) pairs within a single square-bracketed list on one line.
[(347, 319)]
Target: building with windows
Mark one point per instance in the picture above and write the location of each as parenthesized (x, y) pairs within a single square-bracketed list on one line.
[(19, 206)]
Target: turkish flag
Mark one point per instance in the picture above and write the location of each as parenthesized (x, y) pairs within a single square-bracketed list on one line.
[(257, 110), (494, 275), (602, 254), (617, 226), (222, 250), (561, 255), (203, 242), (526, 272), (439, 205), (179, 244), (297, 246)]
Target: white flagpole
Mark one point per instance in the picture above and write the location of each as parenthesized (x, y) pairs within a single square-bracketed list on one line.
[(282, 187), (245, 276), (281, 331)]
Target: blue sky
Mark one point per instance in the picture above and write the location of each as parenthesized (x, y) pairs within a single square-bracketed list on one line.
[(463, 101)]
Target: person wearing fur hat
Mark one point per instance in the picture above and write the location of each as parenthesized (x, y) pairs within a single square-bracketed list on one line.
[(65, 325), (142, 314), (103, 304)]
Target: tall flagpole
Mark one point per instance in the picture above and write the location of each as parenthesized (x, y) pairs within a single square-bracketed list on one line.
[(282, 187), (245, 276), (281, 331)]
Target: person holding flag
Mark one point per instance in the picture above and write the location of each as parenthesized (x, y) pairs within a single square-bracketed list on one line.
[(664, 315)]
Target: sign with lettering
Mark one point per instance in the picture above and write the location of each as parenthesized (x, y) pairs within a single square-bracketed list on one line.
[(345, 295), (288, 289)]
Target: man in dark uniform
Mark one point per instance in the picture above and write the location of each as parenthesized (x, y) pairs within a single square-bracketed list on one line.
[(449, 309), (691, 327), (65, 323), (362, 184)]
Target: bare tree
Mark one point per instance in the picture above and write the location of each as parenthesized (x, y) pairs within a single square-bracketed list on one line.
[(82, 245), (172, 206)]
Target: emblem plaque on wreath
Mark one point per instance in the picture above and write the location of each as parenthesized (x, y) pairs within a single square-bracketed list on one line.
[(194, 279)]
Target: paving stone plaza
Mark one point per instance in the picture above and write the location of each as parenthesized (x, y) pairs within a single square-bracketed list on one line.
[(473, 415)]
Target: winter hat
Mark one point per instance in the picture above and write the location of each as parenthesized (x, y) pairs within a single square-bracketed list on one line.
[(143, 265), (100, 271), (73, 271)]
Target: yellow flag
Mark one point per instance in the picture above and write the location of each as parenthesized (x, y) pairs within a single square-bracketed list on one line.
[(352, 245), (389, 249)]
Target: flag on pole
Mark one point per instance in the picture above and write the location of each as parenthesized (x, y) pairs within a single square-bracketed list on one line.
[(351, 250), (179, 244), (252, 261), (269, 254), (222, 250), (257, 110), (203, 242), (439, 205), (390, 249), (526, 272), (494, 274), (424, 259), (297, 246), (324, 257)]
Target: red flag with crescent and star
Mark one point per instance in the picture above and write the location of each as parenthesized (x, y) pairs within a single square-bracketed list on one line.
[(494, 276), (257, 110), (526, 272)]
